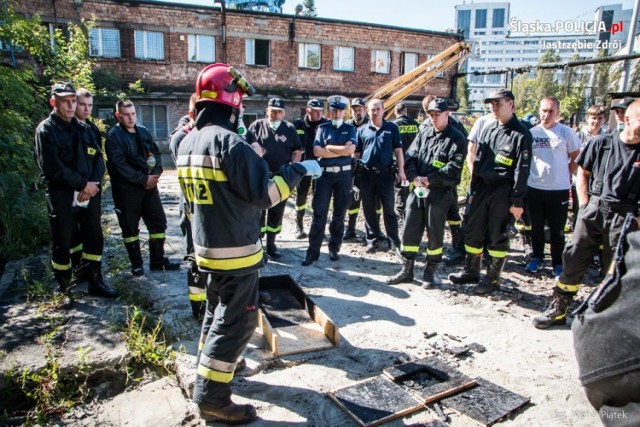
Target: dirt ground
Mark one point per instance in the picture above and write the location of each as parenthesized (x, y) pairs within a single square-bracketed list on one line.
[(382, 325)]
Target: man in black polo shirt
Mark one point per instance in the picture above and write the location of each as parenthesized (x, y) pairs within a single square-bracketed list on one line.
[(306, 128), (281, 146), (408, 131), (601, 217), (378, 142)]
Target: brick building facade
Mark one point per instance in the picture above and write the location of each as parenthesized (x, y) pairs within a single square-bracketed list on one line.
[(293, 57)]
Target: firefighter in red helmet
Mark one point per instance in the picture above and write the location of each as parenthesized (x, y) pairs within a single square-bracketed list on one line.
[(227, 185)]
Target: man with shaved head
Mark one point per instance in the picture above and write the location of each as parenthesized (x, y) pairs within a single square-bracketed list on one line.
[(601, 217)]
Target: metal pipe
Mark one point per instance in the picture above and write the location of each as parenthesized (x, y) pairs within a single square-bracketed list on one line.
[(626, 70), (224, 28)]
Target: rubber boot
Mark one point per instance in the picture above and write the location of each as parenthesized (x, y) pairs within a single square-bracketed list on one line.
[(457, 242), (471, 272), (300, 234), (405, 275), (157, 260), (350, 232), (197, 282), (556, 313), (133, 250), (97, 286), (78, 268), (230, 414), (429, 277), (272, 249), (491, 282), (63, 277)]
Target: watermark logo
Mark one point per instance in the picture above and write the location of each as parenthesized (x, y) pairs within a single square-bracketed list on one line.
[(579, 27)]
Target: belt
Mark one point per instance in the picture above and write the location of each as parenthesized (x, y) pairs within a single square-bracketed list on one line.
[(336, 169)]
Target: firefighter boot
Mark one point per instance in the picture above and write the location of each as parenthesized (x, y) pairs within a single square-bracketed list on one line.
[(133, 250), (350, 232), (97, 286), (491, 282), (405, 275), (63, 277), (471, 272), (230, 414), (556, 313), (157, 260), (78, 268), (457, 242), (272, 249), (429, 277), (300, 234)]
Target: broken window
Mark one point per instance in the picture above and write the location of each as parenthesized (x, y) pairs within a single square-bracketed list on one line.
[(257, 52)]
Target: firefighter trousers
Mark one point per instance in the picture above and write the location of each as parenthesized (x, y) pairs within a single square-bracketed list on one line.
[(379, 186), (271, 220), (229, 322), (302, 193), (489, 217), (429, 213), (133, 204)]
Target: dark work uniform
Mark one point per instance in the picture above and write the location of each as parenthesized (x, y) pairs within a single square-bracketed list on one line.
[(499, 181), (376, 148), (278, 146), (408, 131), (131, 158), (69, 156), (600, 221), (335, 183), (307, 133), (438, 156)]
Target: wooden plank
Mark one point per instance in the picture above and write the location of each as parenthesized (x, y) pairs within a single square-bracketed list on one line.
[(487, 403), (375, 401), (267, 331), (429, 379), (301, 339)]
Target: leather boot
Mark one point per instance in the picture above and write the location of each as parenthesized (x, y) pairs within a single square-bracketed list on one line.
[(429, 277), (556, 313), (230, 414), (135, 256), (157, 260), (97, 286), (457, 243), (350, 232), (471, 272), (63, 277), (272, 249), (300, 234), (491, 282), (405, 275)]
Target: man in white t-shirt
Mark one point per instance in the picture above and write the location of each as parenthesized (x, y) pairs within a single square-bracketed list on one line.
[(555, 147)]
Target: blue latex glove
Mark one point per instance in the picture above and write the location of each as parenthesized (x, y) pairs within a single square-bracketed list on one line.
[(312, 167)]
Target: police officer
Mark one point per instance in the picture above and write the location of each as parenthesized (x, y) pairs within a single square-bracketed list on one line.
[(134, 164), (306, 128), (333, 146), (601, 217), (378, 143), (71, 165), (408, 131), (434, 164), (227, 185), (498, 186), (281, 146)]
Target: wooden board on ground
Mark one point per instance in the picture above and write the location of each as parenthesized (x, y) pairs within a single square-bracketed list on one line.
[(375, 401), (290, 321), (486, 403), (429, 379)]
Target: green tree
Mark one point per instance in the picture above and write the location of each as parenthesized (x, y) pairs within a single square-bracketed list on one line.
[(309, 8), (462, 92), (544, 82), (601, 81), (524, 92)]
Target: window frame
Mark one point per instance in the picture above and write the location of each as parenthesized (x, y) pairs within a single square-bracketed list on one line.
[(338, 58), (375, 60), (403, 62), (145, 48), (99, 32), (154, 129), (195, 38), (303, 55), (250, 48)]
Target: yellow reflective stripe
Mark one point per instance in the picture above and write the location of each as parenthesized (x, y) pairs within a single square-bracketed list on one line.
[(567, 288), (263, 229), (200, 345), (60, 267), (156, 236), (300, 131), (91, 257), (130, 239), (301, 207), (213, 375), (522, 227), (438, 164), (434, 251), (196, 172), (91, 151), (283, 187), (379, 211), (504, 160), (197, 297), (497, 254), (472, 250), (274, 230), (409, 248), (601, 247), (353, 211), (408, 128), (76, 249), (454, 222), (230, 263)]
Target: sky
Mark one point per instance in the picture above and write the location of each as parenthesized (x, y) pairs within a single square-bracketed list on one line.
[(439, 15)]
